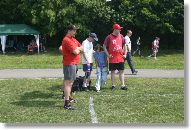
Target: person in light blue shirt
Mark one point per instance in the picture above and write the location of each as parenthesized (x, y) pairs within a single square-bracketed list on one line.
[(101, 62)]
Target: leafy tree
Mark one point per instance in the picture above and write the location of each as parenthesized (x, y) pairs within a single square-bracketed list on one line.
[(147, 18)]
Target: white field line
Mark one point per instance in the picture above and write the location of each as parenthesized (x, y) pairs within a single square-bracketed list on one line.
[(92, 112)]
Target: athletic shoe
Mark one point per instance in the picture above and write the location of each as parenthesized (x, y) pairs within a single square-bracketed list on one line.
[(124, 88), (135, 72), (113, 88), (72, 100), (69, 107)]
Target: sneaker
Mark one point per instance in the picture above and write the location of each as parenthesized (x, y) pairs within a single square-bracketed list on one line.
[(124, 88), (113, 88), (72, 100), (69, 107), (135, 72)]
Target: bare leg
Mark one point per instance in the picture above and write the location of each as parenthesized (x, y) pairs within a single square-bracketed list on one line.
[(121, 77), (113, 78), (67, 88)]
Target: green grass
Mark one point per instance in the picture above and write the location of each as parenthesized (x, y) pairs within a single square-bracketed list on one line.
[(148, 101), (52, 59)]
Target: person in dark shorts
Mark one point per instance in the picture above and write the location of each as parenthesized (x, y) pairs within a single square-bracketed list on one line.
[(116, 50), (70, 50), (87, 59)]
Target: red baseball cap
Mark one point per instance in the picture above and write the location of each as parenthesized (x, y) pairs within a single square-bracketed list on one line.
[(117, 26)]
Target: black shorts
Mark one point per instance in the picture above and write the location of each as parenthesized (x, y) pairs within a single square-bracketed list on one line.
[(116, 66)]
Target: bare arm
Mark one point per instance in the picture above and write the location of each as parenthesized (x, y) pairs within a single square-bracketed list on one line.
[(78, 50), (106, 52), (125, 51), (85, 56), (60, 49)]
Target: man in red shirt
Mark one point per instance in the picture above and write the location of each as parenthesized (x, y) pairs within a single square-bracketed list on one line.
[(116, 50), (70, 49)]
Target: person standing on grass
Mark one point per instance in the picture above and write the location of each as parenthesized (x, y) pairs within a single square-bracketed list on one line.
[(155, 46), (129, 57), (138, 47), (70, 50), (101, 63), (87, 58), (116, 50)]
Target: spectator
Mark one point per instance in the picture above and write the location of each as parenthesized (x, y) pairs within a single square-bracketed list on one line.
[(116, 51), (155, 46), (42, 43), (129, 57), (87, 58), (138, 47), (32, 47), (71, 50), (101, 63)]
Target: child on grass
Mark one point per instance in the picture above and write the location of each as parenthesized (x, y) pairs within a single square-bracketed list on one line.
[(101, 63)]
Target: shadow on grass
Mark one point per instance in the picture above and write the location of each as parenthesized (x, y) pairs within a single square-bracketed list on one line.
[(31, 103), (37, 99), (55, 88)]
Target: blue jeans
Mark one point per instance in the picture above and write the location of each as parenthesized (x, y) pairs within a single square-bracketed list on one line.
[(101, 76), (130, 62)]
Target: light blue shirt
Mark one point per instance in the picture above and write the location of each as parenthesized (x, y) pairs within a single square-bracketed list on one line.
[(100, 57)]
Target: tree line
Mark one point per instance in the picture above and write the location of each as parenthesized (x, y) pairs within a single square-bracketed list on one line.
[(146, 18)]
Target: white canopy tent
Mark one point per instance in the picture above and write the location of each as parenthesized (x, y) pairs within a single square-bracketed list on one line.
[(16, 29)]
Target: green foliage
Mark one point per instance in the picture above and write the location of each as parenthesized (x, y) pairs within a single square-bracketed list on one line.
[(146, 18)]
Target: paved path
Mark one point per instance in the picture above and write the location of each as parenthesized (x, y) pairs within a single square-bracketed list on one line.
[(57, 73)]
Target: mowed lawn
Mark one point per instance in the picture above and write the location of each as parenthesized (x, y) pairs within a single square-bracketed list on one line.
[(148, 101), (167, 59)]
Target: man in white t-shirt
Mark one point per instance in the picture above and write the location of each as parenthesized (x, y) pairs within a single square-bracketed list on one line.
[(129, 57), (87, 58)]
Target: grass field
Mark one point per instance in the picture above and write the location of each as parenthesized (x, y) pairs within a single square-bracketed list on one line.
[(148, 101), (52, 59)]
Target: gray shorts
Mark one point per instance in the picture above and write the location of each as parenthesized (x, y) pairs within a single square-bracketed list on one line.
[(70, 72)]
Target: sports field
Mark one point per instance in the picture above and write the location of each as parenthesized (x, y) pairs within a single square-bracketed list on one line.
[(167, 59), (147, 101)]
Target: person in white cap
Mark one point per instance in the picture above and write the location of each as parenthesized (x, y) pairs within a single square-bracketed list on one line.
[(87, 59)]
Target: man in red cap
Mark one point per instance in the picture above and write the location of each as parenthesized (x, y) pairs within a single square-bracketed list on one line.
[(116, 50)]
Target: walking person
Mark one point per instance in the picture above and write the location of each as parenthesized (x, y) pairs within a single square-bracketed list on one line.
[(155, 46), (87, 58), (129, 57), (70, 50), (116, 50), (138, 47), (101, 70)]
